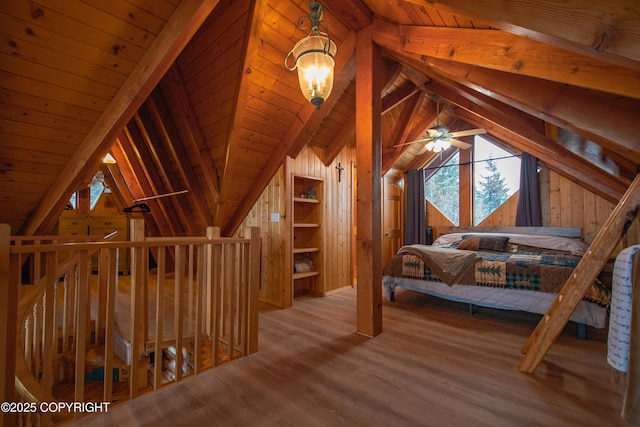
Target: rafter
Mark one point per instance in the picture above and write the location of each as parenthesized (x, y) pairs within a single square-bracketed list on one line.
[(170, 142), (601, 29), (503, 51), (163, 51), (481, 110), (194, 139), (406, 124)]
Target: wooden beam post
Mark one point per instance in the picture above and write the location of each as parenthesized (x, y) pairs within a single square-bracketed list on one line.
[(369, 191), (584, 274)]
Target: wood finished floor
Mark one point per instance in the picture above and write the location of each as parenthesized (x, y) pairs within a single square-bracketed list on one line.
[(433, 365)]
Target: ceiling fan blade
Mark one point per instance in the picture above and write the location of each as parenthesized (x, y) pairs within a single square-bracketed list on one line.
[(468, 133), (413, 142), (459, 144)]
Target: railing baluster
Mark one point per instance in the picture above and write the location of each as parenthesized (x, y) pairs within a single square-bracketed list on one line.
[(111, 295), (177, 309), (213, 277), (157, 361)]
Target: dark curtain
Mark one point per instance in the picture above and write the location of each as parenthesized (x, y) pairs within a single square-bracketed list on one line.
[(528, 212), (415, 224)]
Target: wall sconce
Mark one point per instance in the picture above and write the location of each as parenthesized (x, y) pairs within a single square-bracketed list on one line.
[(314, 57), (108, 159)]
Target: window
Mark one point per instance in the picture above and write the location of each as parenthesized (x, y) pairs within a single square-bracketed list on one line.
[(97, 188), (443, 188), (496, 177)]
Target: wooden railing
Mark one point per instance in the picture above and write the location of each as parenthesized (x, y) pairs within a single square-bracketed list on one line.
[(76, 331)]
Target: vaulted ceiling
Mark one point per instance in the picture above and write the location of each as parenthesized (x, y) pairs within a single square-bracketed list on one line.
[(193, 95)]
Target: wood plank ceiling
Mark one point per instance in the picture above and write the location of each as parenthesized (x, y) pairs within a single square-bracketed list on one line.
[(192, 95)]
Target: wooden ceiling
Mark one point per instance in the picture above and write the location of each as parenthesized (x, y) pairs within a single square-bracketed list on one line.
[(193, 95)]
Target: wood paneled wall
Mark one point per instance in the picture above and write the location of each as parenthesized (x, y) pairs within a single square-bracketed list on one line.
[(338, 223), (564, 204)]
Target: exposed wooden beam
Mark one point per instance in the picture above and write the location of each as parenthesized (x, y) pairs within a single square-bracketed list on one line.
[(369, 161), (348, 130), (298, 133), (170, 142), (354, 13), (174, 36), (398, 96), (195, 139), (406, 124), (257, 10), (512, 126), (147, 184), (603, 29), (606, 120), (503, 51), (342, 138), (156, 173)]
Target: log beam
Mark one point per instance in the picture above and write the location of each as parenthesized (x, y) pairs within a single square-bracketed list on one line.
[(369, 164)]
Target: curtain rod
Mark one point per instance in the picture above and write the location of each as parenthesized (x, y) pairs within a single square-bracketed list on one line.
[(463, 164)]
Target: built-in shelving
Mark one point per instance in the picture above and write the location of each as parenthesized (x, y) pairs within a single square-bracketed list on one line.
[(307, 235)]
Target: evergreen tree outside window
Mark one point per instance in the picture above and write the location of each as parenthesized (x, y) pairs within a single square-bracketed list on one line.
[(496, 177), (443, 189)]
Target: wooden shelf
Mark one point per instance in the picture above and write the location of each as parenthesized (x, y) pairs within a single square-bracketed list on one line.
[(304, 200), (306, 225), (307, 274), (307, 235), (305, 250)]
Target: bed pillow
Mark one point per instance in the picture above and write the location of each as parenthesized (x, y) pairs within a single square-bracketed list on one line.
[(541, 241), (475, 243)]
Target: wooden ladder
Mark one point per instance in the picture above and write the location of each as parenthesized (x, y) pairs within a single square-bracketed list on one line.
[(585, 273)]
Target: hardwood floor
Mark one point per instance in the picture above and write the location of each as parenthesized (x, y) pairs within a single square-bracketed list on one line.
[(434, 365)]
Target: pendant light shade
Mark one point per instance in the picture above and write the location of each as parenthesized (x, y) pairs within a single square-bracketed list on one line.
[(314, 57)]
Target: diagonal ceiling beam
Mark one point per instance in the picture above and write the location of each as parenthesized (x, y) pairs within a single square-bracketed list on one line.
[(353, 13), (503, 51), (406, 122), (174, 36), (603, 29), (605, 119), (257, 11), (195, 139), (592, 115), (348, 131), (344, 75), (483, 111)]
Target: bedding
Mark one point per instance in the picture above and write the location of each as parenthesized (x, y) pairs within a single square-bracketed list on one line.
[(508, 271)]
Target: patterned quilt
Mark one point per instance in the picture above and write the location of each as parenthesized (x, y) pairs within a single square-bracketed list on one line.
[(518, 267)]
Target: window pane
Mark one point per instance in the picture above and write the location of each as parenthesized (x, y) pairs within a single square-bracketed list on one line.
[(442, 190), (496, 177), (97, 187)]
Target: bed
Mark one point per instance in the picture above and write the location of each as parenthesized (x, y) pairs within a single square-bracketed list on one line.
[(518, 268)]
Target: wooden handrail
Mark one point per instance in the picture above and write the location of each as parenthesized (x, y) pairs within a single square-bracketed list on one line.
[(219, 275)]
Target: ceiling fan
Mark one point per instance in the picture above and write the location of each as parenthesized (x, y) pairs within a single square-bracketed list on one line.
[(440, 137)]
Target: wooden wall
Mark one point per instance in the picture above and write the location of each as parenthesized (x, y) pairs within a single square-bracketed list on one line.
[(338, 223)]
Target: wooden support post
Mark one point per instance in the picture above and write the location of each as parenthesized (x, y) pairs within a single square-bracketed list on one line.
[(110, 322), (584, 274), (369, 193), (8, 325), (157, 362)]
